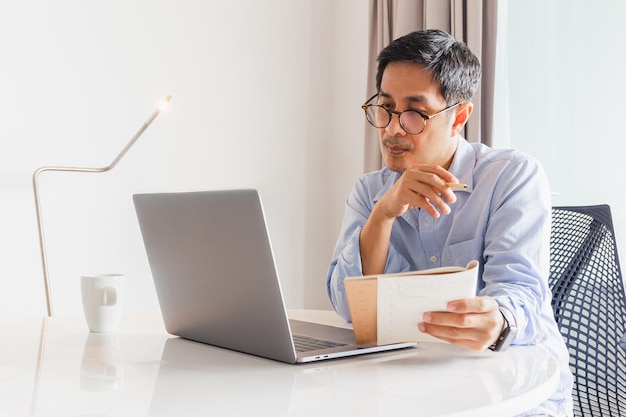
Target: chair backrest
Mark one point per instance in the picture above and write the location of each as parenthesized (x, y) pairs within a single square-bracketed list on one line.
[(590, 306)]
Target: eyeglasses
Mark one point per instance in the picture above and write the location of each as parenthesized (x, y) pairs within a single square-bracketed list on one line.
[(412, 121)]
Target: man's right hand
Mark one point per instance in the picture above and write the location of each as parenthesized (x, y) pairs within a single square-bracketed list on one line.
[(422, 187)]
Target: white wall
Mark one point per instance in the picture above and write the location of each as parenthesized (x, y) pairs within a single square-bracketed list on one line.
[(566, 69), (266, 95)]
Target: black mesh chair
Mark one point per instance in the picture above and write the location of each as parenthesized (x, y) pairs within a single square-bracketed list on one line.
[(590, 306)]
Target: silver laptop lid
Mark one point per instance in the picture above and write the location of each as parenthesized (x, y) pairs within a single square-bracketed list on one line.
[(214, 271)]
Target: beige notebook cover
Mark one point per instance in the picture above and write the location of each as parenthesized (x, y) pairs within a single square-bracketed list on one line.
[(387, 308)]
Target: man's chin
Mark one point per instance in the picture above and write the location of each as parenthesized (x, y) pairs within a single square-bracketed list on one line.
[(395, 165)]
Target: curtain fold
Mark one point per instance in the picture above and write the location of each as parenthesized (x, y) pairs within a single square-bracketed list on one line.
[(471, 21)]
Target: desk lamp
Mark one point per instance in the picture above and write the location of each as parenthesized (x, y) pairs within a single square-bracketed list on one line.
[(42, 245)]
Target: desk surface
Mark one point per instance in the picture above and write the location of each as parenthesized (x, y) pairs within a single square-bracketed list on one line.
[(55, 367)]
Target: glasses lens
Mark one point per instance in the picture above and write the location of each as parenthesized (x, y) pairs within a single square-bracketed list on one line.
[(377, 116), (412, 122)]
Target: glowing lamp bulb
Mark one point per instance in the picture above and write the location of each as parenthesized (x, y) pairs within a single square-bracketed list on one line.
[(165, 103)]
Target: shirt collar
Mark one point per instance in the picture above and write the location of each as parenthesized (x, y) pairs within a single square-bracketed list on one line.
[(463, 163)]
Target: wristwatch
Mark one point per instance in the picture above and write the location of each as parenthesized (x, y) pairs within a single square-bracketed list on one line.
[(508, 331)]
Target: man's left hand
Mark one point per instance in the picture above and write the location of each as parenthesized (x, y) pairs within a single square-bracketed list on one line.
[(474, 324)]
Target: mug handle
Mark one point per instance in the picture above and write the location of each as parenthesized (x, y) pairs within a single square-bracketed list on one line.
[(109, 296)]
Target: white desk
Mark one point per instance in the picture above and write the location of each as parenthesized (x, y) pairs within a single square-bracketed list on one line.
[(142, 371)]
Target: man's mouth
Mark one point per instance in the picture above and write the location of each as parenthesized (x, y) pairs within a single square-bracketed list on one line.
[(395, 149)]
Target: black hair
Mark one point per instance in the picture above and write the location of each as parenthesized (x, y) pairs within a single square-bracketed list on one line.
[(449, 61)]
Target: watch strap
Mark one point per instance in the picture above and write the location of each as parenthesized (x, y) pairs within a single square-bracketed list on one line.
[(508, 331)]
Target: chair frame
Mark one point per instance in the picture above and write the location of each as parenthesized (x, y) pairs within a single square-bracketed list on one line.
[(589, 305)]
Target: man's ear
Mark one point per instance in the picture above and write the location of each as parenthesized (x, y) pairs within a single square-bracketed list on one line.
[(463, 112)]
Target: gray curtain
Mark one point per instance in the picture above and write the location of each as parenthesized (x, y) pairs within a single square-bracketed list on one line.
[(471, 21)]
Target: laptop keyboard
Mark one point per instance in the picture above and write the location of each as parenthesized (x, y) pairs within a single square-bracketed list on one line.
[(307, 343)]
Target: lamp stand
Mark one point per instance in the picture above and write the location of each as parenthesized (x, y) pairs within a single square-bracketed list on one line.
[(42, 245)]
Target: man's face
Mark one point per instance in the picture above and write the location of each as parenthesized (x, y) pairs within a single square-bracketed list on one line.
[(406, 86)]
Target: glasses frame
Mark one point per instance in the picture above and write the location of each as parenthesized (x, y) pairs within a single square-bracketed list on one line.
[(424, 117)]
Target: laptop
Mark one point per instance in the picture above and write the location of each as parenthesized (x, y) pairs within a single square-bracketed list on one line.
[(216, 280)]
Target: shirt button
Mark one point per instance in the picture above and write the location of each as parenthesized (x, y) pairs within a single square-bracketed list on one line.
[(433, 259)]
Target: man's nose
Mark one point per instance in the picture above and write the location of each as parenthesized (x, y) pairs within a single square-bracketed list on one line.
[(394, 128)]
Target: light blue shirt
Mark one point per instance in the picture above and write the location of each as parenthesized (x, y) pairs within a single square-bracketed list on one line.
[(502, 220)]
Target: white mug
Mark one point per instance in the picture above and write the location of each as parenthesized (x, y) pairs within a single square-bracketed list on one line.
[(103, 297)]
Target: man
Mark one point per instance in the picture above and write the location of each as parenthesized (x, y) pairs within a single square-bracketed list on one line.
[(408, 216)]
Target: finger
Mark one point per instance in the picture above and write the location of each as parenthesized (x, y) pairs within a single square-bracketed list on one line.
[(437, 202), (437, 178), (483, 324), (448, 192), (465, 321), (480, 304), (415, 200), (471, 339), (437, 191), (443, 189), (449, 333), (427, 200), (435, 170), (432, 210), (424, 190)]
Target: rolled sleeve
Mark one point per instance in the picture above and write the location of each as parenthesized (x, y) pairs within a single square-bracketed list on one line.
[(346, 263)]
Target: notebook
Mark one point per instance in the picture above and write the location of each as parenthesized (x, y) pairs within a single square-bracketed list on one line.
[(216, 280)]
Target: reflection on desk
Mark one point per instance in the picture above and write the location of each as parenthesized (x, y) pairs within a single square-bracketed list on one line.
[(142, 371)]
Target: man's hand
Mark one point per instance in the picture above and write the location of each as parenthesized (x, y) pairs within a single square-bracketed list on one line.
[(422, 186), (474, 324)]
